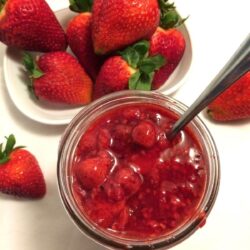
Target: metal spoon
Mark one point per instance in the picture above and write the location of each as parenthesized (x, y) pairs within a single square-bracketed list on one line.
[(237, 66)]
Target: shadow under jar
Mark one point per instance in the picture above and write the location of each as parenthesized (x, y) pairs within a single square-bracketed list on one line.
[(124, 184)]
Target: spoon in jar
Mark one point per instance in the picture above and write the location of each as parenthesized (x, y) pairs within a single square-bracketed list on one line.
[(237, 66)]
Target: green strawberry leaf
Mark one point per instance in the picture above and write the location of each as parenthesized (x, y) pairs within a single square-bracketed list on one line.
[(169, 19), (169, 16), (33, 70), (142, 48), (11, 141), (147, 66), (150, 64), (9, 147), (31, 66), (142, 79), (1, 150), (145, 81), (131, 56), (81, 6), (2, 3), (132, 83), (4, 160), (158, 61), (28, 62), (134, 54), (37, 73)]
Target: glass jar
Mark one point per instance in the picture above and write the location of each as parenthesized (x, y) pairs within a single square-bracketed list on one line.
[(67, 149)]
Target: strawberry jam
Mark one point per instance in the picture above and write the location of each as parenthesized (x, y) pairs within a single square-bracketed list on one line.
[(129, 179)]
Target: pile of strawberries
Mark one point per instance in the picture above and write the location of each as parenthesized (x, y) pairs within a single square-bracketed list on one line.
[(116, 45)]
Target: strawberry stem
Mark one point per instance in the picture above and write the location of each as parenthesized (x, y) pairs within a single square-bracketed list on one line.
[(2, 3), (32, 69), (137, 57), (9, 147), (169, 16), (81, 6)]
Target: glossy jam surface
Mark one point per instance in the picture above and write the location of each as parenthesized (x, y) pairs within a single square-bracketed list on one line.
[(130, 180)]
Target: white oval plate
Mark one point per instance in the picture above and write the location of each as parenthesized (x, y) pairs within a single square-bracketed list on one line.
[(57, 114), (16, 80)]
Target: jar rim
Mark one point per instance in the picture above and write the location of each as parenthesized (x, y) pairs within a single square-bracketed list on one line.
[(69, 138)]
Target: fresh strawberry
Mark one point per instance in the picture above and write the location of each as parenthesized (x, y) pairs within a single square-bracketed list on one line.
[(234, 103), (92, 172), (133, 69), (20, 173), (171, 44), (113, 76), (79, 37), (117, 24), (58, 77), (30, 25), (144, 134)]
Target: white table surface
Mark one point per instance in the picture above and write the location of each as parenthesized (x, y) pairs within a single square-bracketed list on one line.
[(216, 28)]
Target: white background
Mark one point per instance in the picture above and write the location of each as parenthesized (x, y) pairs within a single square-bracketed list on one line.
[(217, 28)]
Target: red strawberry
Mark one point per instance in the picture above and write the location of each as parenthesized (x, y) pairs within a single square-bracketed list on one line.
[(58, 77), (113, 76), (118, 23), (79, 38), (144, 134), (20, 173), (92, 172), (234, 103), (30, 25), (170, 44), (133, 70)]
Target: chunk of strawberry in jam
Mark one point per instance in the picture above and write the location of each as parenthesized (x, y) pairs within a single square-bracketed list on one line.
[(92, 172), (144, 162), (163, 141), (121, 220), (114, 191), (104, 139), (128, 179), (87, 144), (123, 132), (102, 212), (132, 113), (144, 134)]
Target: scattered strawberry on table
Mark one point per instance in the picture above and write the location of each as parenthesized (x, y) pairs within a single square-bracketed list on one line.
[(58, 77), (20, 173), (30, 25), (79, 37), (234, 103)]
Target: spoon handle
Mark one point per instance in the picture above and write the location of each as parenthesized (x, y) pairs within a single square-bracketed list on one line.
[(237, 66)]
